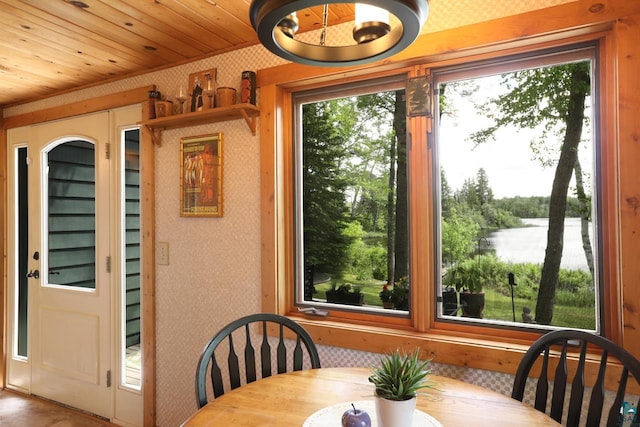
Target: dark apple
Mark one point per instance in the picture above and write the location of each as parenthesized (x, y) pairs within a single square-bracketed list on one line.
[(355, 418)]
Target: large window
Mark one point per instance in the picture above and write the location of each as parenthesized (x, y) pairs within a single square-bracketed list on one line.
[(511, 196), (518, 179), (351, 197)]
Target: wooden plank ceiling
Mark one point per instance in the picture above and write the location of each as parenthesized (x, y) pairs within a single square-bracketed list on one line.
[(49, 46)]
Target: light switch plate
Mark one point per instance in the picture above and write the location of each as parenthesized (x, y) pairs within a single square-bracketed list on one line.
[(163, 253)]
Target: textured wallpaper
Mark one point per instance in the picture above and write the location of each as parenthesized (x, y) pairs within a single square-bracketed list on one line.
[(214, 271)]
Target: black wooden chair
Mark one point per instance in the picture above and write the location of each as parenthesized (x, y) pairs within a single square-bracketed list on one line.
[(208, 363), (565, 339)]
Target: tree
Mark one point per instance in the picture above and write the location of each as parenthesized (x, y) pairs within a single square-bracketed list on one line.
[(552, 98), (459, 234), (401, 240), (483, 191), (378, 109), (326, 129)]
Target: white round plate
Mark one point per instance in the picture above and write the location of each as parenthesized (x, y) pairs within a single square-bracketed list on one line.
[(331, 416)]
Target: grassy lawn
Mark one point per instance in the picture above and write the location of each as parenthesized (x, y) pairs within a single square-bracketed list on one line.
[(369, 288), (497, 306)]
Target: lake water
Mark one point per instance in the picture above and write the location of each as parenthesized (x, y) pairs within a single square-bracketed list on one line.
[(528, 244)]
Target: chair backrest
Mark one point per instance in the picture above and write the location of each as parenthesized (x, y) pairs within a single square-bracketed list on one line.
[(581, 339), (209, 364)]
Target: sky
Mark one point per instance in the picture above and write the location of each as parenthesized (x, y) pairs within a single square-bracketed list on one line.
[(508, 161)]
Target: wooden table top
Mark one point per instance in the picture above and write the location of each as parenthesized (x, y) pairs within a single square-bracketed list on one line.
[(289, 399)]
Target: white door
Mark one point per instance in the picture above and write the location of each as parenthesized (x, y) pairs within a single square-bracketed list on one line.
[(69, 281)]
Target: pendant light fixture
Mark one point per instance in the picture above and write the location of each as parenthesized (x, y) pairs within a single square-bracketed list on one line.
[(276, 24)]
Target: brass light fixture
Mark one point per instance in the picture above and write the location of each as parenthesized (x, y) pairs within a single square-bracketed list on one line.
[(276, 24)]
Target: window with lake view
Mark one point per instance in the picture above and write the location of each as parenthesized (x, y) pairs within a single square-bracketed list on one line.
[(516, 155), (514, 193)]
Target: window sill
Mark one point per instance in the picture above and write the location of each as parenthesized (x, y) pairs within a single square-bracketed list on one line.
[(447, 347), (443, 348)]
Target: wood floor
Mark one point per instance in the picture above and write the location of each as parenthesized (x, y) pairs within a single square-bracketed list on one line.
[(18, 410)]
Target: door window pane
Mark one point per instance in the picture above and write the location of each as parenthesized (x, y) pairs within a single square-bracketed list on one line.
[(22, 209), (131, 260), (71, 215)]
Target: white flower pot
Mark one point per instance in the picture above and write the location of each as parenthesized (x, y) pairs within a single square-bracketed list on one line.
[(395, 413)]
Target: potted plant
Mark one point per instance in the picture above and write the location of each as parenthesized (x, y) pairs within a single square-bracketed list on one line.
[(397, 379), (386, 296), (401, 294), (345, 294), (466, 278), (449, 301)]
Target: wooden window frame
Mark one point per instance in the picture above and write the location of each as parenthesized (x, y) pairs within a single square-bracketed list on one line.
[(458, 344)]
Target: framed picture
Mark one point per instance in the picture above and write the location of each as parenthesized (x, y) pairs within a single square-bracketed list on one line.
[(201, 175), (202, 87)]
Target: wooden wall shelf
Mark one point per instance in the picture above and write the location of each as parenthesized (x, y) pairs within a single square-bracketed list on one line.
[(248, 112)]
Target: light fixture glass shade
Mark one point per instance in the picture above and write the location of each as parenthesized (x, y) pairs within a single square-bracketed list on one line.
[(289, 24), (371, 22), (266, 16), (368, 13)]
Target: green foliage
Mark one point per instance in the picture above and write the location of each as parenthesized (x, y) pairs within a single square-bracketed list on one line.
[(386, 295), (523, 105), (345, 289), (567, 312), (579, 298), (525, 207), (473, 274), (366, 257), (487, 271), (475, 202), (400, 375), (400, 293), (573, 280), (326, 128), (536, 206), (458, 237)]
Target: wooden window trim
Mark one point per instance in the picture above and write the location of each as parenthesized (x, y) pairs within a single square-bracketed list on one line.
[(461, 345)]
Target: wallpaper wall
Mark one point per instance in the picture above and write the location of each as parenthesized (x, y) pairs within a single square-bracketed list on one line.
[(213, 274)]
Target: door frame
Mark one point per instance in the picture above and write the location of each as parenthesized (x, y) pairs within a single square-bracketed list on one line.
[(147, 206)]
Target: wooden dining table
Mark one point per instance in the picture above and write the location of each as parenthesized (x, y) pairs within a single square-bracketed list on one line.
[(291, 399)]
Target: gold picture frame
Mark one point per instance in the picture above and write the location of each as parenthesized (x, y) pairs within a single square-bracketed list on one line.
[(202, 88), (201, 176)]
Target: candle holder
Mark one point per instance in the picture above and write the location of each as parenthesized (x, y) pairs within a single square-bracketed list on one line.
[(209, 89), (181, 97), (209, 94)]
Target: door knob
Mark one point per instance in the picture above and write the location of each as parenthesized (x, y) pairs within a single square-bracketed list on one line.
[(34, 273)]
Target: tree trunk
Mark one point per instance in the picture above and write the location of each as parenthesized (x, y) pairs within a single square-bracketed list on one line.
[(401, 248), (558, 200), (391, 217), (585, 214)]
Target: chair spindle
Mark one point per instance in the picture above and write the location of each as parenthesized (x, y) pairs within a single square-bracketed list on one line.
[(249, 357), (282, 353), (297, 356), (577, 389), (597, 394), (265, 352), (216, 377), (542, 388), (234, 367), (559, 386)]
